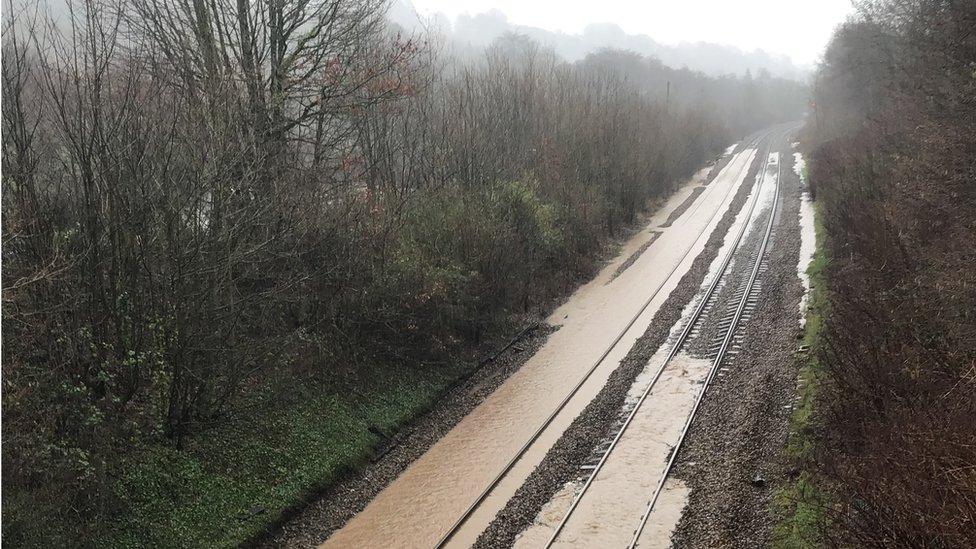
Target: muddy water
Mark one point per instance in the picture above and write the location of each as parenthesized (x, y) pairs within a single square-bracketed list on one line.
[(423, 503), (763, 196), (767, 193), (548, 518), (608, 514), (637, 462), (665, 516), (657, 532)]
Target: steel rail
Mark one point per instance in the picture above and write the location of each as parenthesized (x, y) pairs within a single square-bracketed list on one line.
[(675, 348), (716, 361), (535, 436)]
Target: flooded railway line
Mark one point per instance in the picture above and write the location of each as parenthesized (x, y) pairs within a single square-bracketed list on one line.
[(448, 537), (701, 343), (745, 295)]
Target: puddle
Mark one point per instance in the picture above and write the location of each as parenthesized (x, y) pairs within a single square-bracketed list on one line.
[(808, 240)]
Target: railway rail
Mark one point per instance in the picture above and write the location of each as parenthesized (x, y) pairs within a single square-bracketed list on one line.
[(470, 510)]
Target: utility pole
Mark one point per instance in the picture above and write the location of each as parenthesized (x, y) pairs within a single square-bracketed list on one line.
[(667, 98)]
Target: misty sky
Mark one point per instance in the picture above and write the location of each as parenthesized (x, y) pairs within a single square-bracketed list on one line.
[(797, 28)]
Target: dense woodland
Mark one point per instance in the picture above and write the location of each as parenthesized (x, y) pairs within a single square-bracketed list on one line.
[(893, 142), (208, 206)]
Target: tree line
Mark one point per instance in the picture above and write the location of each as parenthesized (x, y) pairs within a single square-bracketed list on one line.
[(893, 142), (203, 198)]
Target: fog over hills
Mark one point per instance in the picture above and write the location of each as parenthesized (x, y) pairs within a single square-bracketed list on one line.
[(477, 31)]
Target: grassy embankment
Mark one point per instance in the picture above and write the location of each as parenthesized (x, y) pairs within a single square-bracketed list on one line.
[(796, 505), (235, 480)]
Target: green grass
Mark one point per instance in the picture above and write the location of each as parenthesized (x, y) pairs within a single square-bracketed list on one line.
[(234, 481), (798, 505)]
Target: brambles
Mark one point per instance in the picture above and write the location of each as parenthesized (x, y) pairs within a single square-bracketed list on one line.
[(893, 147)]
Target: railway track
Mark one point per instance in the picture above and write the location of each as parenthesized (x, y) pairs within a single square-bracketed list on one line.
[(479, 500), (744, 299)]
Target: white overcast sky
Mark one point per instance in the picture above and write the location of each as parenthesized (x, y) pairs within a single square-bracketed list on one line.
[(797, 28)]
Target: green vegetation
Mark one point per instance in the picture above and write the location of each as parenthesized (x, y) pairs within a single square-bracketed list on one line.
[(232, 482), (798, 506)]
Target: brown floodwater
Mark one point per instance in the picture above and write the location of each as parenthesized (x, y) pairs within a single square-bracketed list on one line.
[(423, 503), (608, 513), (665, 515)]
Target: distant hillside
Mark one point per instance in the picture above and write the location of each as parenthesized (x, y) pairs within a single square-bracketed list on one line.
[(712, 59)]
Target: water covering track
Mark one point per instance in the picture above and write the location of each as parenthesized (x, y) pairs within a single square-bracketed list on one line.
[(525, 447), (746, 297), (746, 302)]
